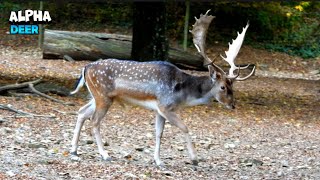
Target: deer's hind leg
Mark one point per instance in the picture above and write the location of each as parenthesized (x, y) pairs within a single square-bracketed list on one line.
[(102, 107), (84, 113)]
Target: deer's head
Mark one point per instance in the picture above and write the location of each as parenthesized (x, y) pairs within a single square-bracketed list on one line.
[(222, 88)]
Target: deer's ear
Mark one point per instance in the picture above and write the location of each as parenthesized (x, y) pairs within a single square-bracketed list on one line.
[(213, 73)]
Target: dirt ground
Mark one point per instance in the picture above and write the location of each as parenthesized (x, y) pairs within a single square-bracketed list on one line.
[(274, 132)]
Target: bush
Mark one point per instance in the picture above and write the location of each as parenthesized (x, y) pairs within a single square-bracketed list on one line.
[(295, 28), (290, 27)]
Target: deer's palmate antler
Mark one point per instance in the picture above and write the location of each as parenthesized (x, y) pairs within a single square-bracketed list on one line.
[(159, 86), (199, 33)]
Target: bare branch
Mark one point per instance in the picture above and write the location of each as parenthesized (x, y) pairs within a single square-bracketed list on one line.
[(48, 97), (23, 113), (68, 58), (65, 113), (30, 85), (2, 120), (18, 86)]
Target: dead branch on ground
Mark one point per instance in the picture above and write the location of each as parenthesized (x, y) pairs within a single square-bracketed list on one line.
[(23, 113), (48, 97), (66, 113), (30, 85), (19, 86)]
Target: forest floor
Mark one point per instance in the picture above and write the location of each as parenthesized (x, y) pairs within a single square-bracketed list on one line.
[(274, 132)]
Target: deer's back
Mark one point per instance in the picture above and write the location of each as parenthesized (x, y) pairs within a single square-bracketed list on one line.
[(137, 82)]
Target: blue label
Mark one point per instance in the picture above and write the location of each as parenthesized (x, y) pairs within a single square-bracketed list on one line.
[(24, 29)]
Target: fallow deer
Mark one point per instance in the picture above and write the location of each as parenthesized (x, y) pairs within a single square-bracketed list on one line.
[(159, 86)]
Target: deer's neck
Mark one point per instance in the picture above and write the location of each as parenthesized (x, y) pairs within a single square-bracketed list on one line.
[(198, 90)]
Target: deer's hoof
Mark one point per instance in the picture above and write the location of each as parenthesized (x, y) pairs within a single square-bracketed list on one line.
[(159, 164), (195, 162), (74, 153), (162, 166), (108, 159), (74, 156)]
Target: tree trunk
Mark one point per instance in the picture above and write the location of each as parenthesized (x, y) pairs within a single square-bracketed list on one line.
[(93, 46), (186, 26), (149, 31)]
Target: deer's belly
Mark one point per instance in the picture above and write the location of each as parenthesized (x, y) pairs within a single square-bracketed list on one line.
[(149, 104)]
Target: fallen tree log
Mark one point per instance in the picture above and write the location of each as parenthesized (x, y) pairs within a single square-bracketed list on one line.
[(93, 46)]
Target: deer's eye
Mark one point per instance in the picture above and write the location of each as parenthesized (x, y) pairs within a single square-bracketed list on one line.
[(223, 87)]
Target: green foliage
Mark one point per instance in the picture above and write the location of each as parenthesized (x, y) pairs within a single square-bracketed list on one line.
[(91, 14), (175, 19), (290, 27), (9, 6), (309, 50)]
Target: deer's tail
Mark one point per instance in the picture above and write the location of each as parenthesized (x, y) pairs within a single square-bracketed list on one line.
[(80, 83)]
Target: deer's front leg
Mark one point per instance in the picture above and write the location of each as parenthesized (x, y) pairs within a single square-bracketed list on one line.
[(160, 121), (175, 120)]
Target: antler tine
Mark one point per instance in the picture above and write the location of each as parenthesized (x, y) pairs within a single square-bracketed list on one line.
[(244, 67), (233, 51), (244, 78), (199, 32)]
